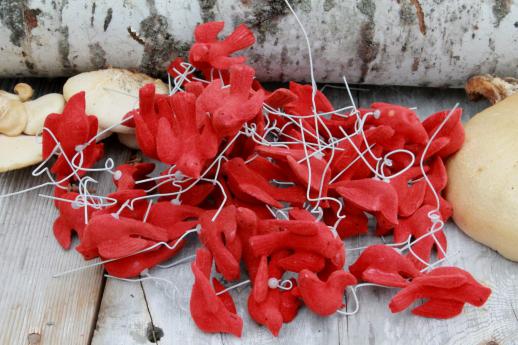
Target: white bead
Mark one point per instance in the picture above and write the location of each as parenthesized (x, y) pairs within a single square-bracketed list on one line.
[(273, 283), (117, 175)]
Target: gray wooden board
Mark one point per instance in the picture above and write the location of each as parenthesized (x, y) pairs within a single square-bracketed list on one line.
[(34, 307), (123, 318), (62, 311), (373, 324)]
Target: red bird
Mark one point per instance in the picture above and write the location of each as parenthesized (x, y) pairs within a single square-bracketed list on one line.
[(447, 290), (356, 222), (230, 108), (194, 196), (383, 265), (303, 104), (145, 120), (71, 130), (280, 97), (452, 131), (278, 308), (111, 237), (220, 237), (208, 51), (323, 298), (238, 107), (210, 312), (299, 235), (123, 198), (246, 221), (71, 218), (116, 238), (176, 219), (299, 169), (370, 195), (268, 305), (128, 174), (410, 194), (402, 119), (439, 179), (303, 259), (418, 226), (249, 185), (180, 140)]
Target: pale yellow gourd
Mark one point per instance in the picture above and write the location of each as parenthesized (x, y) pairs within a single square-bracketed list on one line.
[(483, 178)]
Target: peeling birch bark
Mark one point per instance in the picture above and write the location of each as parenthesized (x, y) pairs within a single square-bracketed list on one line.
[(405, 42)]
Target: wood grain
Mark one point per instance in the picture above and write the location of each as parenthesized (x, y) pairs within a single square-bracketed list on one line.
[(374, 324), (123, 318), (37, 309), (34, 307)]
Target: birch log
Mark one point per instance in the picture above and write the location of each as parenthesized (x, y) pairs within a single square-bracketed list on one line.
[(404, 42)]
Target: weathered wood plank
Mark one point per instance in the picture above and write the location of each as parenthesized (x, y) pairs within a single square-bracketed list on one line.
[(123, 317), (496, 321), (374, 324), (34, 307)]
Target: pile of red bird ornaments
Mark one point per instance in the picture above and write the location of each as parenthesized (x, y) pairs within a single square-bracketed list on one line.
[(272, 181)]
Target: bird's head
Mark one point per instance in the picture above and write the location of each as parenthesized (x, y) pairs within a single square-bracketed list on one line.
[(190, 166), (199, 52), (225, 120)]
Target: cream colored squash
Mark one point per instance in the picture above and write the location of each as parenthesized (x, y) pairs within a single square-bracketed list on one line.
[(483, 178)]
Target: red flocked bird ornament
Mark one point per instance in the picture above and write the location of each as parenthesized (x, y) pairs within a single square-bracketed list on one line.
[(209, 52), (446, 289), (210, 312), (70, 131)]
